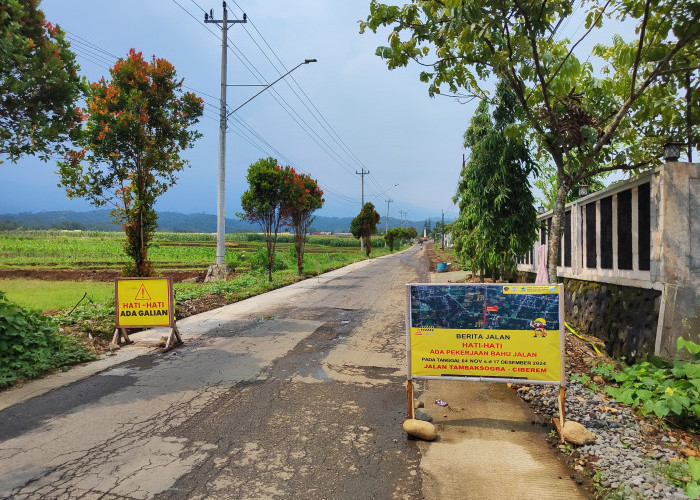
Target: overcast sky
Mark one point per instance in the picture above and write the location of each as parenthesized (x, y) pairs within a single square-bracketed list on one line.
[(371, 118)]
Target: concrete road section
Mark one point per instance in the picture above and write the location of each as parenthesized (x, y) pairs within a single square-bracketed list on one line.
[(298, 393)]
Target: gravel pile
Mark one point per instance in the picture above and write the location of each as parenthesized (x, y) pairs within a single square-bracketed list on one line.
[(628, 462)]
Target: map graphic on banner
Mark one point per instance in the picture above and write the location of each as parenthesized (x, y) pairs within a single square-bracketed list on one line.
[(503, 331), (484, 306)]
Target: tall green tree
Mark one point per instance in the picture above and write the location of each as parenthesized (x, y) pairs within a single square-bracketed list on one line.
[(399, 233), (136, 127), (391, 236), (583, 124), (304, 197), (497, 217), (365, 224), (265, 201), (39, 83)]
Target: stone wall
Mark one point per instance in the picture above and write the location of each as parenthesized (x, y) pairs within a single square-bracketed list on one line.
[(625, 318)]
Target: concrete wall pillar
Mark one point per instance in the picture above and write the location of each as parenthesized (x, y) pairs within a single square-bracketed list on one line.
[(678, 249)]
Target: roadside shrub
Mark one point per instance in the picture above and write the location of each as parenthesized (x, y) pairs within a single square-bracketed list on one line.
[(95, 318), (667, 389), (282, 260), (30, 344), (235, 259)]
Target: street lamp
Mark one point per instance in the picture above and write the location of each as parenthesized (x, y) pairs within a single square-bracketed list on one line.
[(306, 61), (672, 151), (583, 190), (218, 270)]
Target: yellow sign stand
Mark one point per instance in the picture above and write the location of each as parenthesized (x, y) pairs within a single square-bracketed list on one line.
[(145, 303), (510, 333)]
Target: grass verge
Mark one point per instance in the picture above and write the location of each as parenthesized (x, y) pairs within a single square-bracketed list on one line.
[(47, 295)]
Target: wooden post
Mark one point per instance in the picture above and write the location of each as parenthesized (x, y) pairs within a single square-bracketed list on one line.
[(174, 339), (559, 423), (118, 334), (562, 409), (409, 395)]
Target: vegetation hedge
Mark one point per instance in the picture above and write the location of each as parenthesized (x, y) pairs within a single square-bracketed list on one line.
[(30, 344)]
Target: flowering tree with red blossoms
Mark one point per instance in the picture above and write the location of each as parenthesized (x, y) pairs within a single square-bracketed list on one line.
[(265, 201), (39, 84), (136, 126), (304, 197)]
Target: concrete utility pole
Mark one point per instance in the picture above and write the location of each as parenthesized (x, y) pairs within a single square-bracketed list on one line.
[(442, 231), (387, 218), (218, 270), (362, 173), (404, 213)]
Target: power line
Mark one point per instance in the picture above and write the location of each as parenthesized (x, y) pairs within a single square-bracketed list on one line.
[(316, 113), (247, 130), (330, 151)]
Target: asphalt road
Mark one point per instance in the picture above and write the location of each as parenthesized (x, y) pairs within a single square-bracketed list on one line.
[(296, 394)]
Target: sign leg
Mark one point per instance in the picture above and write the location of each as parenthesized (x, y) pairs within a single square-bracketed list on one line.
[(409, 396), (559, 423), (120, 333), (174, 339)]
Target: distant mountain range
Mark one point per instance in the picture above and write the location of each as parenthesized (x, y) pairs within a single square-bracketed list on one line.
[(100, 220)]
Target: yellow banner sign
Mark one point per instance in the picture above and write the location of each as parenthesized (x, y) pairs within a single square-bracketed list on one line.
[(144, 302), (475, 353), (511, 332)]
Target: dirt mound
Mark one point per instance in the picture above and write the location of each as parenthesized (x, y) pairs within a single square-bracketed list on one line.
[(437, 256)]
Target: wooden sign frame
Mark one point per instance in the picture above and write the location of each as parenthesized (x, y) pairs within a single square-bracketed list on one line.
[(127, 303)]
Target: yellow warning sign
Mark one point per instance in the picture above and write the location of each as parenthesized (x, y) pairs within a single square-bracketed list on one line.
[(144, 302)]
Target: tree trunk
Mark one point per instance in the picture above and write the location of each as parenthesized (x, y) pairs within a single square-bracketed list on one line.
[(270, 248), (299, 247), (557, 227)]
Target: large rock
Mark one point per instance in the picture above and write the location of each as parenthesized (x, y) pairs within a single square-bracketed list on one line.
[(420, 429), (218, 272), (576, 433), (422, 415)]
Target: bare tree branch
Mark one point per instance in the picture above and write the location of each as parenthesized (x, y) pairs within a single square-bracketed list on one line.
[(601, 170), (640, 46), (571, 50)]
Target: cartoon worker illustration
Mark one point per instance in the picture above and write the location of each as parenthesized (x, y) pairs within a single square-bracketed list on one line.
[(540, 326)]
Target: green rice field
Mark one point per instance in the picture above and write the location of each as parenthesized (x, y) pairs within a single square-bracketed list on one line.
[(104, 250), (48, 270)]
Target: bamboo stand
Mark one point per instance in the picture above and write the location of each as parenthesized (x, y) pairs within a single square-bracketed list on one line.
[(174, 339)]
